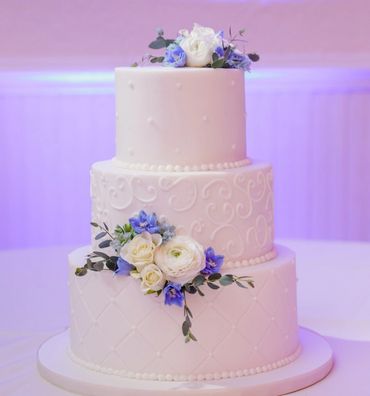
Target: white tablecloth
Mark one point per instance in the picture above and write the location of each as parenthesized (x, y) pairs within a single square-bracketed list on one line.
[(333, 299)]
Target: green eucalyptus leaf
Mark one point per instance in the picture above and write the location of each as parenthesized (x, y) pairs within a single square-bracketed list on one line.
[(214, 57), (227, 52), (100, 254), (106, 227), (241, 284), (100, 235), (214, 277), (94, 224), (185, 327), (81, 271), (135, 64), (200, 292), (97, 265), (111, 263), (187, 309), (192, 337), (218, 63), (254, 57), (251, 283), (198, 280), (169, 42), (157, 59), (89, 264), (212, 286), (158, 43), (190, 288), (105, 244), (226, 280)]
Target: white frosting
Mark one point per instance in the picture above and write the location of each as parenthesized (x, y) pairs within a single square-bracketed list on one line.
[(116, 329), (181, 377), (230, 210), (181, 116)]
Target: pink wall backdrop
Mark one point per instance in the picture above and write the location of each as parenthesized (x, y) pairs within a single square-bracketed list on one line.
[(105, 33), (307, 101)]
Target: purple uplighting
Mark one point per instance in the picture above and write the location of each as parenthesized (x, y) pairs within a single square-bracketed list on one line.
[(113, 273), (310, 122)]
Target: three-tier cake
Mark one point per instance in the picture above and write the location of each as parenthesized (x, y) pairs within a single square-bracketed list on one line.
[(181, 152), (188, 217)]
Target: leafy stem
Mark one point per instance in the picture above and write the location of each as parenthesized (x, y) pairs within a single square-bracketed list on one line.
[(104, 229), (186, 325)]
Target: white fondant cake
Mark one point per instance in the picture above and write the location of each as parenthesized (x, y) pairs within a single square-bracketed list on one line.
[(185, 117), (115, 329), (181, 153)]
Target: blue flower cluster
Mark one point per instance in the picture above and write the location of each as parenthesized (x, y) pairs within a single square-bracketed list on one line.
[(149, 222), (213, 262), (145, 222), (123, 267), (238, 60), (174, 56), (173, 294)]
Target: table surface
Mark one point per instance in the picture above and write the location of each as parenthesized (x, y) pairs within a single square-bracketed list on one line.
[(333, 299)]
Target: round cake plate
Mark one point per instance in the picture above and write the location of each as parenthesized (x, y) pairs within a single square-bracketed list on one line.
[(313, 364)]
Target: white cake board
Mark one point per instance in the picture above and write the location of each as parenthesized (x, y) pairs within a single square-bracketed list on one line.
[(313, 364)]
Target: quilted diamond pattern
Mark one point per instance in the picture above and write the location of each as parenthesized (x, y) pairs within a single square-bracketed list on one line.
[(114, 326)]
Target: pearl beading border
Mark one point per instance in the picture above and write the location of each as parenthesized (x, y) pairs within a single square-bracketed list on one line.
[(252, 261), (181, 168), (184, 377)]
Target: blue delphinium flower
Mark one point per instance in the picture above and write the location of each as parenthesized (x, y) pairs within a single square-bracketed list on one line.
[(213, 262), (168, 231), (220, 52), (145, 222), (174, 56), (124, 267), (173, 294), (238, 60)]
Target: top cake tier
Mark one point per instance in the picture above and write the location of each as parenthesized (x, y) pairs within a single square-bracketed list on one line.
[(188, 117)]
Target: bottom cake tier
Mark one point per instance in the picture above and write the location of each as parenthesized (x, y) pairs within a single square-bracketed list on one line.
[(116, 329)]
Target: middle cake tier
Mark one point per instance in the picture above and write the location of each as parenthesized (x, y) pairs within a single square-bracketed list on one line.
[(230, 210)]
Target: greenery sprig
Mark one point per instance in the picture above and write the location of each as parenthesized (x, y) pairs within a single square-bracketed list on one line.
[(214, 282)]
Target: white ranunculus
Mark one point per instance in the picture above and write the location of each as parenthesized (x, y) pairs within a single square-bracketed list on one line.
[(152, 278), (199, 45), (140, 251), (180, 259)]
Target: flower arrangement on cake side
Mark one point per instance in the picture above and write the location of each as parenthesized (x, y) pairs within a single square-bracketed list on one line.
[(202, 47), (165, 263)]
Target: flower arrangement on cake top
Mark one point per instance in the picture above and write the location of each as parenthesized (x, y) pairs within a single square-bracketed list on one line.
[(202, 47), (149, 250)]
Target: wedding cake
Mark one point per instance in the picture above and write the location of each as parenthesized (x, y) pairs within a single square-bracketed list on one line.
[(179, 213)]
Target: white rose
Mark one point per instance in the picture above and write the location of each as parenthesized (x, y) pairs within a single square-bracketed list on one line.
[(180, 259), (152, 278), (199, 45), (140, 251)]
